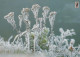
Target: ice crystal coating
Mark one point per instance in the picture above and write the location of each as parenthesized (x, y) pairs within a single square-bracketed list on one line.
[(52, 18), (25, 13), (67, 33), (40, 19), (72, 41), (20, 20), (39, 39), (35, 9), (45, 13), (10, 19)]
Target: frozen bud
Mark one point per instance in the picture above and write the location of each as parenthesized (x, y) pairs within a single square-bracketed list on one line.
[(72, 41), (25, 10)]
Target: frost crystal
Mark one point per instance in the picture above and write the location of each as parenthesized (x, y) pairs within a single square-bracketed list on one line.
[(10, 19), (25, 13), (39, 39), (52, 18), (20, 20), (45, 13), (35, 9)]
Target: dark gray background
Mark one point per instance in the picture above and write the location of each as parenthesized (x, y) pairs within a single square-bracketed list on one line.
[(67, 17)]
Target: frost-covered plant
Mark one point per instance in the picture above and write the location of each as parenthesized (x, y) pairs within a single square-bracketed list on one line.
[(35, 9), (45, 13), (51, 19), (10, 19), (37, 38)]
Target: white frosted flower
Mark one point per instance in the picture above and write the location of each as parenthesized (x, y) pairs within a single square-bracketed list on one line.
[(45, 13), (52, 15), (10, 19), (25, 13), (52, 18), (35, 9)]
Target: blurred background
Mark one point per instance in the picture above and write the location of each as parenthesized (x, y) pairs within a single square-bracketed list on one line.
[(68, 17)]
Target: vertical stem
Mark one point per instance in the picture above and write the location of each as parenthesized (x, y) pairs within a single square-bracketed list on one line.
[(28, 43), (71, 54), (51, 29), (40, 24), (34, 45), (36, 21)]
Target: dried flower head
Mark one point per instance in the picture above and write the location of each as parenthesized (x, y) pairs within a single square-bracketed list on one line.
[(25, 10), (25, 13), (11, 14), (35, 9), (46, 9), (52, 14), (10, 19), (71, 48), (52, 18), (45, 13)]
